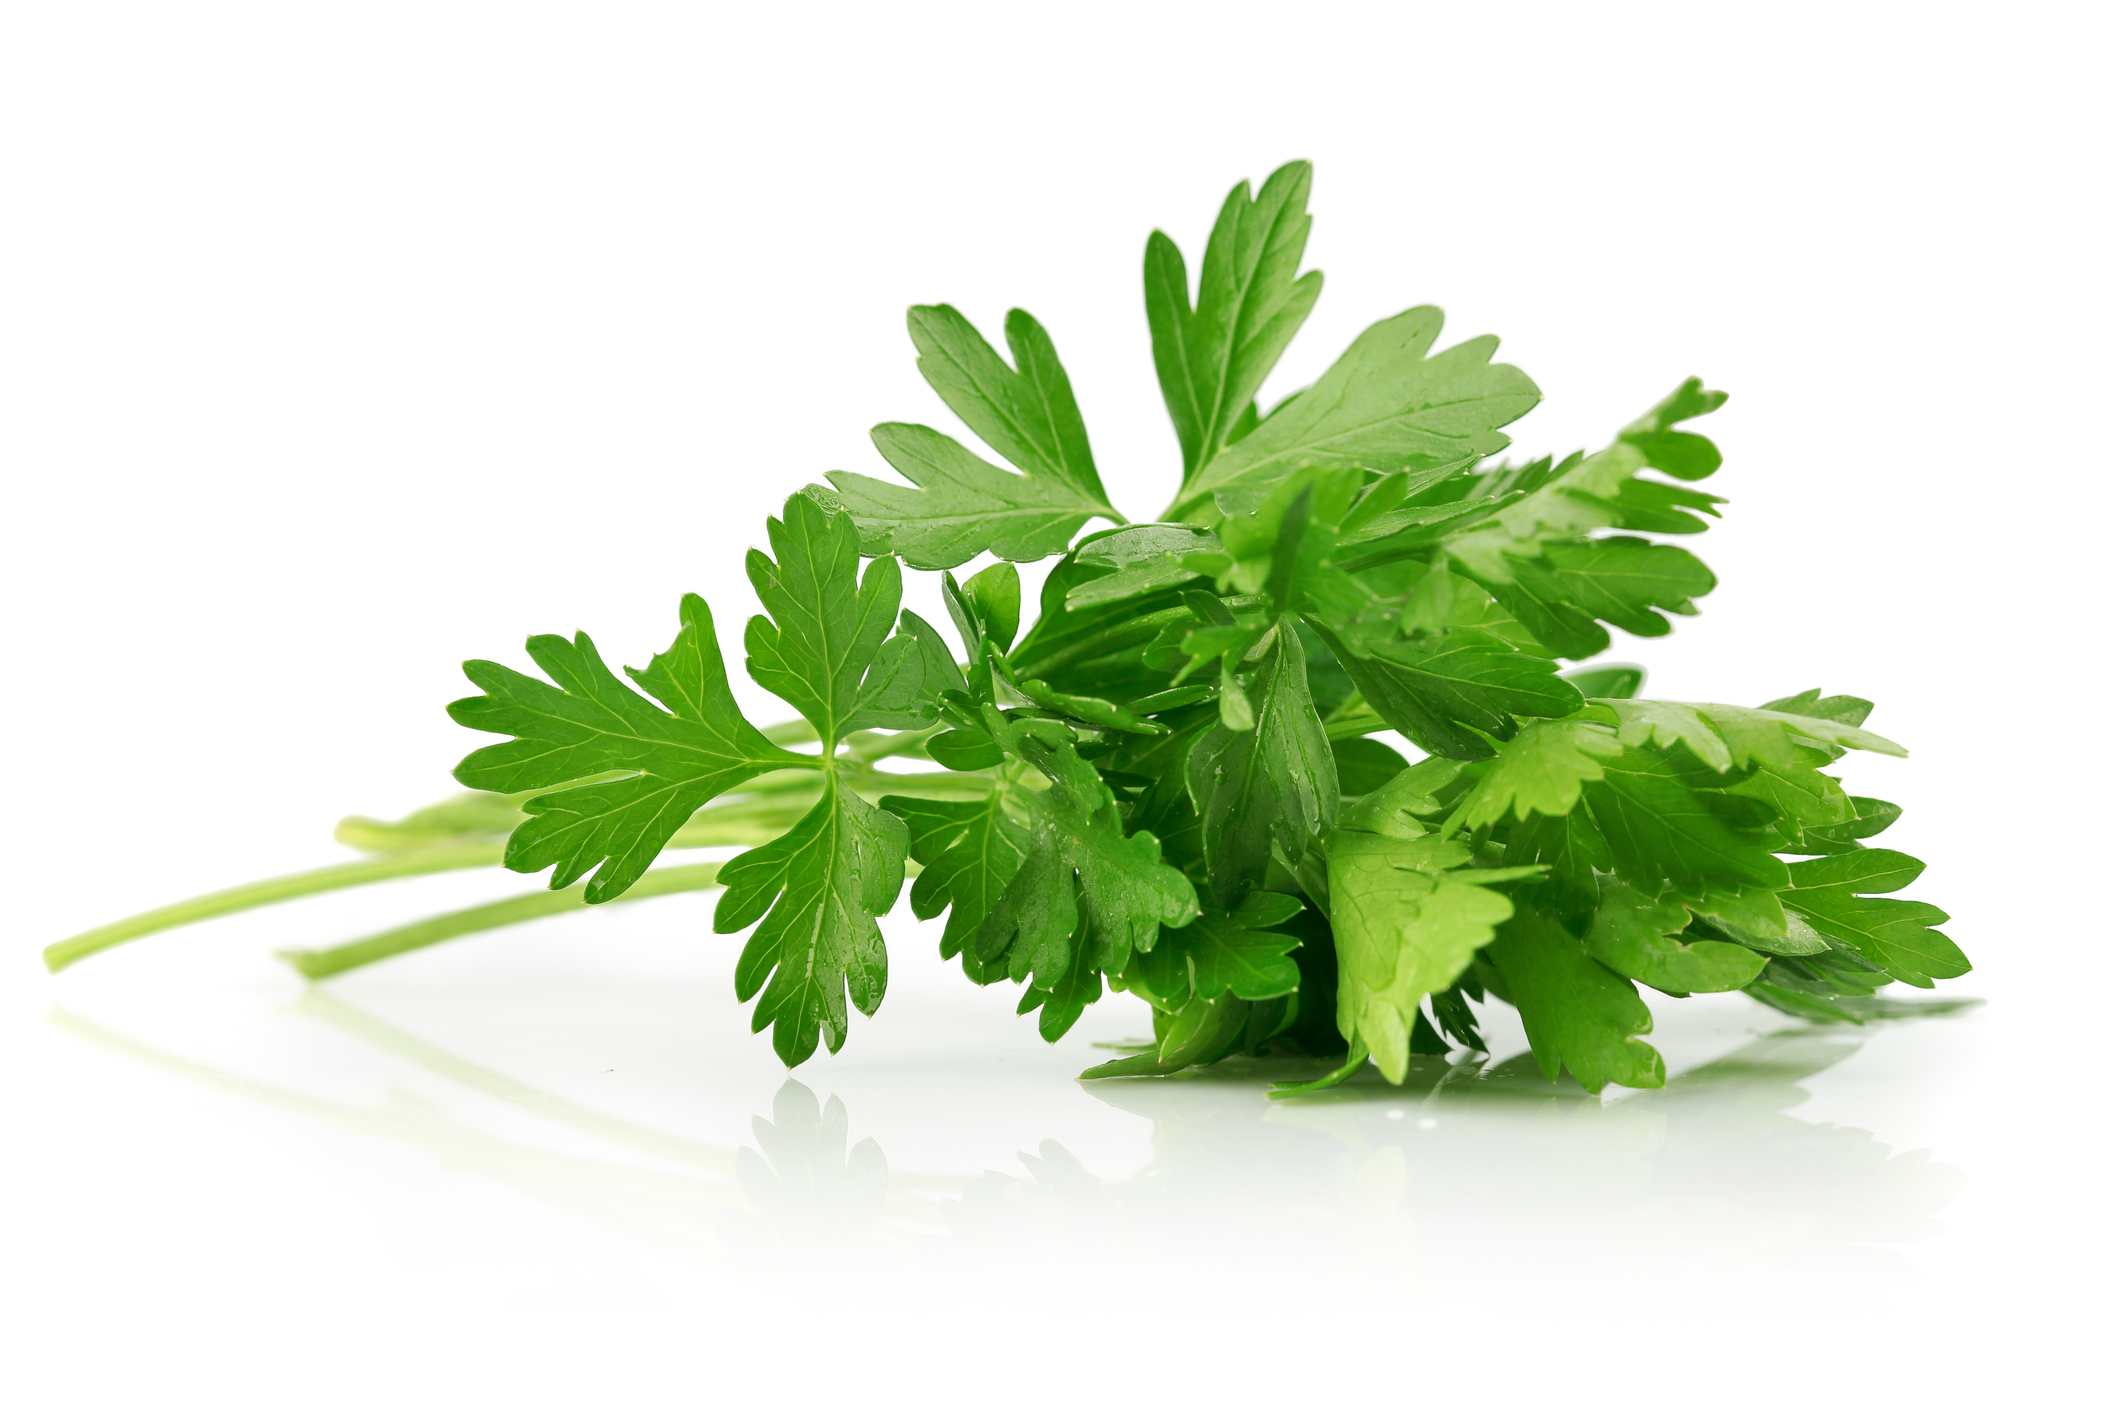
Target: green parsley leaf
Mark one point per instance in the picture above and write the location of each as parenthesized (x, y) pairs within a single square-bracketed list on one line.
[(1724, 738), (1212, 357), (1079, 864), (1236, 953), (1198, 1033), (1532, 554), (1541, 771), (996, 597), (1672, 724), (1851, 711), (826, 629), (1271, 786), (1445, 692), (1803, 797), (1636, 936), (1686, 455), (959, 505), (968, 852), (904, 685), (1573, 853), (588, 724), (1577, 1014), (824, 882), (1097, 649), (1897, 935), (1062, 1004), (1623, 580), (1867, 817), (1798, 938), (1407, 919), (1026, 413), (1760, 736), (1759, 912), (1664, 819), (1614, 680), (1139, 559), (1385, 405), (1409, 804)]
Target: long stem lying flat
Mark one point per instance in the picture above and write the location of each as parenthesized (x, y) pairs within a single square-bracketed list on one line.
[(771, 805), (315, 963), (434, 859)]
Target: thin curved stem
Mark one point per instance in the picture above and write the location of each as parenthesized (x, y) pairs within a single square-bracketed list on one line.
[(764, 809), (315, 963), (1356, 1056), (930, 785), (1354, 725), (432, 859), (873, 746)]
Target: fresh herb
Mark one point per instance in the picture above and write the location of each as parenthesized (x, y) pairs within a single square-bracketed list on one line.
[(1173, 783)]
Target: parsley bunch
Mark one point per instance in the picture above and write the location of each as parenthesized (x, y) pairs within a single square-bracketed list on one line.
[(1171, 783)]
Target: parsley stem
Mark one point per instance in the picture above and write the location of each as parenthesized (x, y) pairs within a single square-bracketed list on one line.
[(315, 963), (1139, 628), (929, 785), (1183, 507), (433, 859), (1356, 1056), (742, 821), (1128, 632), (874, 746), (1355, 724)]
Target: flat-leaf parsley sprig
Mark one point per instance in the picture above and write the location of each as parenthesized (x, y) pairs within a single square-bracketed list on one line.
[(1173, 781)]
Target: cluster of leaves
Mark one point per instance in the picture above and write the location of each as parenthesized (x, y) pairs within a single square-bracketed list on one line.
[(1172, 783)]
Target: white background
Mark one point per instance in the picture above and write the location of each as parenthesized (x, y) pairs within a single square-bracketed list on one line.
[(341, 343)]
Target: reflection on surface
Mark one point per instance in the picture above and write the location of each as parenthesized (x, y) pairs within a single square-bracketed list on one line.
[(1479, 1171), (1476, 1169)]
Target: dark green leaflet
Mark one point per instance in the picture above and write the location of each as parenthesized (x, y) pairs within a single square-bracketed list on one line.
[(1274, 785), (818, 889), (1211, 356), (585, 722)]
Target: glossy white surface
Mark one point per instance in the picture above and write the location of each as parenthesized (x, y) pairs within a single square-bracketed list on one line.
[(553, 1167), (342, 345)]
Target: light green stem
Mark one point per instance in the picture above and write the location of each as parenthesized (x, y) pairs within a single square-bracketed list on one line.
[(1354, 725), (433, 859), (1132, 631), (1356, 1056), (770, 805), (315, 963)]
